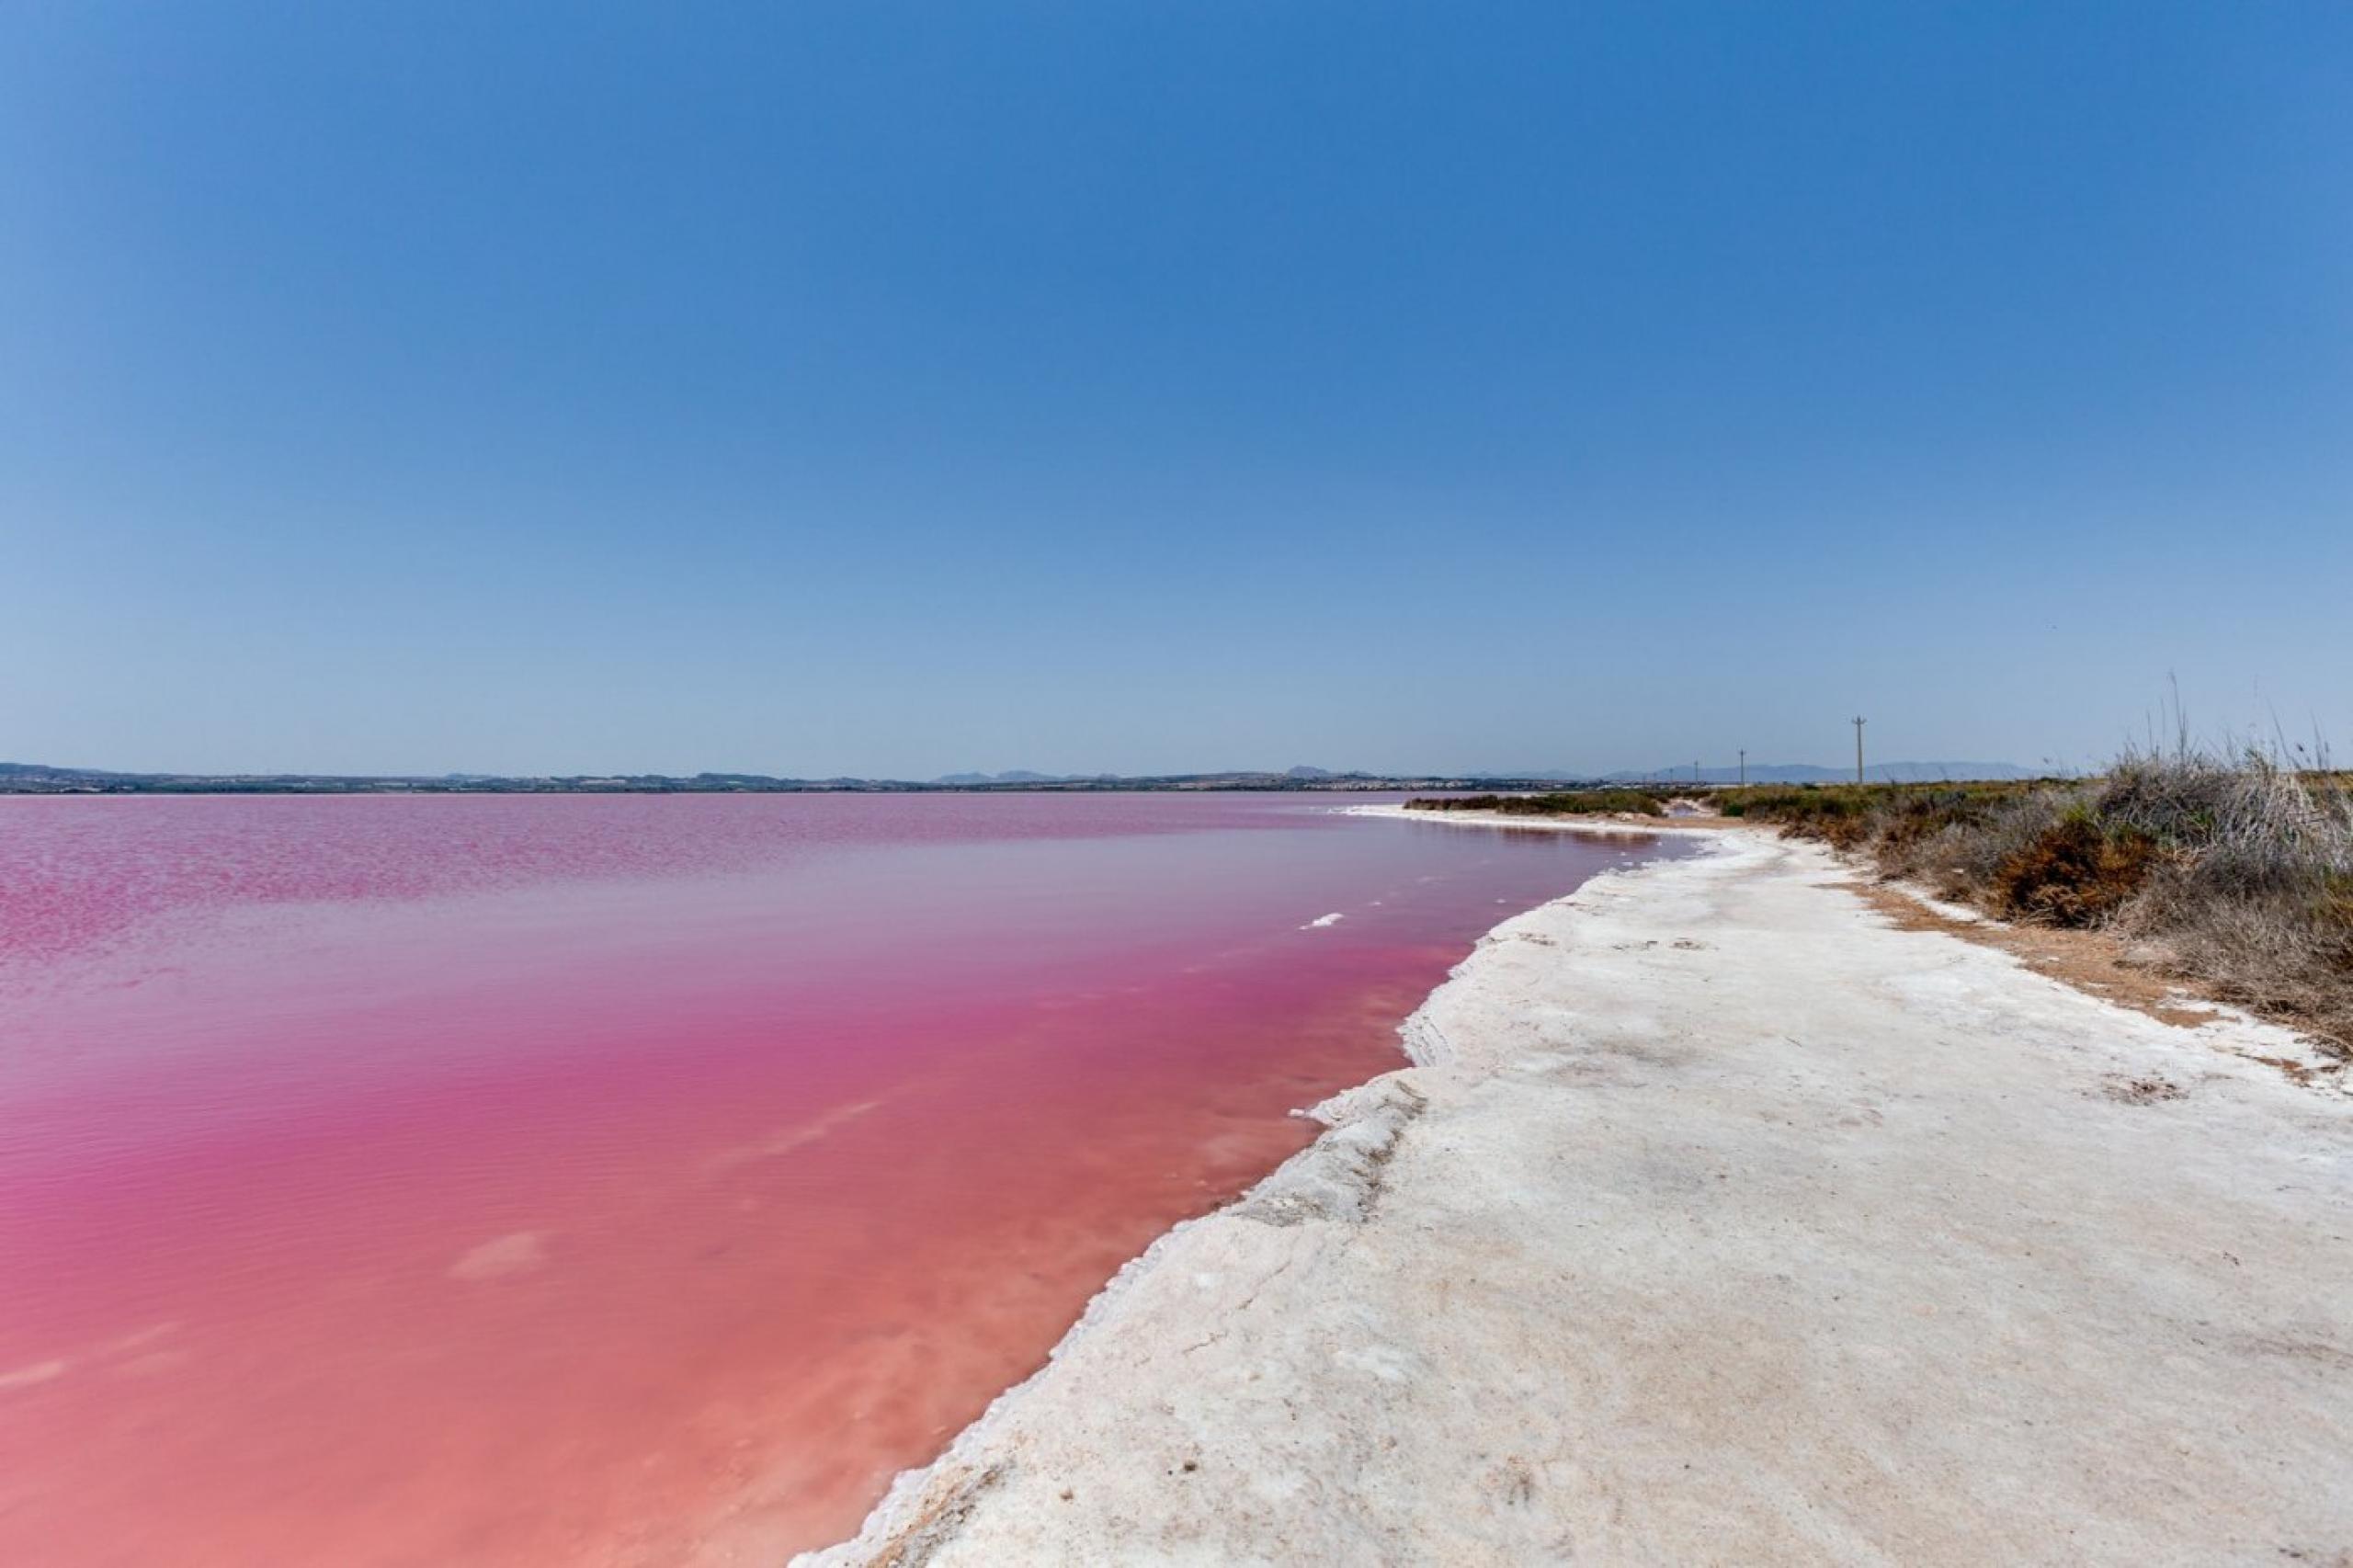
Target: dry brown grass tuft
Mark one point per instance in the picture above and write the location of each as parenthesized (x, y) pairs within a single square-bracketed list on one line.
[(2076, 872)]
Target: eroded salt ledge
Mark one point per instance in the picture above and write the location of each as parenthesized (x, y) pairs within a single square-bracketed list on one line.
[(1720, 1220)]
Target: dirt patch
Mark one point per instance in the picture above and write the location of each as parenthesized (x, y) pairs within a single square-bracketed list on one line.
[(2301, 1071), (2143, 1091), (935, 1523)]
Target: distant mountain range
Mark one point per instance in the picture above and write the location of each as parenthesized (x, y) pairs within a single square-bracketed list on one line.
[(1018, 776), (1022, 775)]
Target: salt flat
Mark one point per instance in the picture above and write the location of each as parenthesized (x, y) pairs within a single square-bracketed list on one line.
[(1720, 1220)]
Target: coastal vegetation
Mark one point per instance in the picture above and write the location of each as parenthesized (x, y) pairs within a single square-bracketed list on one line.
[(1552, 804), (2233, 871)]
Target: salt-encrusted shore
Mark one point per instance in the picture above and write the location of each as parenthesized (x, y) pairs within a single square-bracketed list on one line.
[(1719, 1219)]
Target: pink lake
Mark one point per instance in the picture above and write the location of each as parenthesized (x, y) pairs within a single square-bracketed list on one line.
[(633, 1180)]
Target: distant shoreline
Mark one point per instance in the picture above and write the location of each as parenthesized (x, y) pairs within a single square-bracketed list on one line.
[(37, 779), (66, 783)]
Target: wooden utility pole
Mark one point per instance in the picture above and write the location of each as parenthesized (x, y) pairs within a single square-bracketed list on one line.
[(1859, 751), (1744, 767)]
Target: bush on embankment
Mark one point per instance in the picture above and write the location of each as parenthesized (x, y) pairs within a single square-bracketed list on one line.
[(2233, 871), (1558, 802), (2237, 870)]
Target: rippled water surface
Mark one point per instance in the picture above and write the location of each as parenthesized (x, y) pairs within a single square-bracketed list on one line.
[(448, 1180)]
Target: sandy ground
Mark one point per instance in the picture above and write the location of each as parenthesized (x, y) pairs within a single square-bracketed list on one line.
[(1723, 1220)]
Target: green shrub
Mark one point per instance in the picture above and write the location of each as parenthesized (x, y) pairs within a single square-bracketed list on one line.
[(1558, 802)]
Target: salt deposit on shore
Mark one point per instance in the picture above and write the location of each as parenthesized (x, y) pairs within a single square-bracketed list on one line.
[(1721, 1220)]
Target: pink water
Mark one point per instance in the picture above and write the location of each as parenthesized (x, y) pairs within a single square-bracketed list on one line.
[(514, 1180)]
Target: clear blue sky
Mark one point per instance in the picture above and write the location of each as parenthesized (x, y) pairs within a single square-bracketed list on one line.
[(897, 388)]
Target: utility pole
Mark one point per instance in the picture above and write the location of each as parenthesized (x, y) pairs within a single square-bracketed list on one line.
[(1744, 767), (1859, 751)]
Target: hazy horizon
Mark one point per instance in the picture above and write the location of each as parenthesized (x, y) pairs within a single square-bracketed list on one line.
[(1754, 767), (890, 391)]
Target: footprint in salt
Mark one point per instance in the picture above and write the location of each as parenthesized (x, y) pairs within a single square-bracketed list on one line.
[(503, 1255)]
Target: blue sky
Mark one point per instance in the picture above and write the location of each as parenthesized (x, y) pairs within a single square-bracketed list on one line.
[(897, 388)]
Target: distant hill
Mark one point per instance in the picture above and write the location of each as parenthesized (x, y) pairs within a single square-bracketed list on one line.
[(1301, 774), (1807, 773), (43, 770), (1017, 776)]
